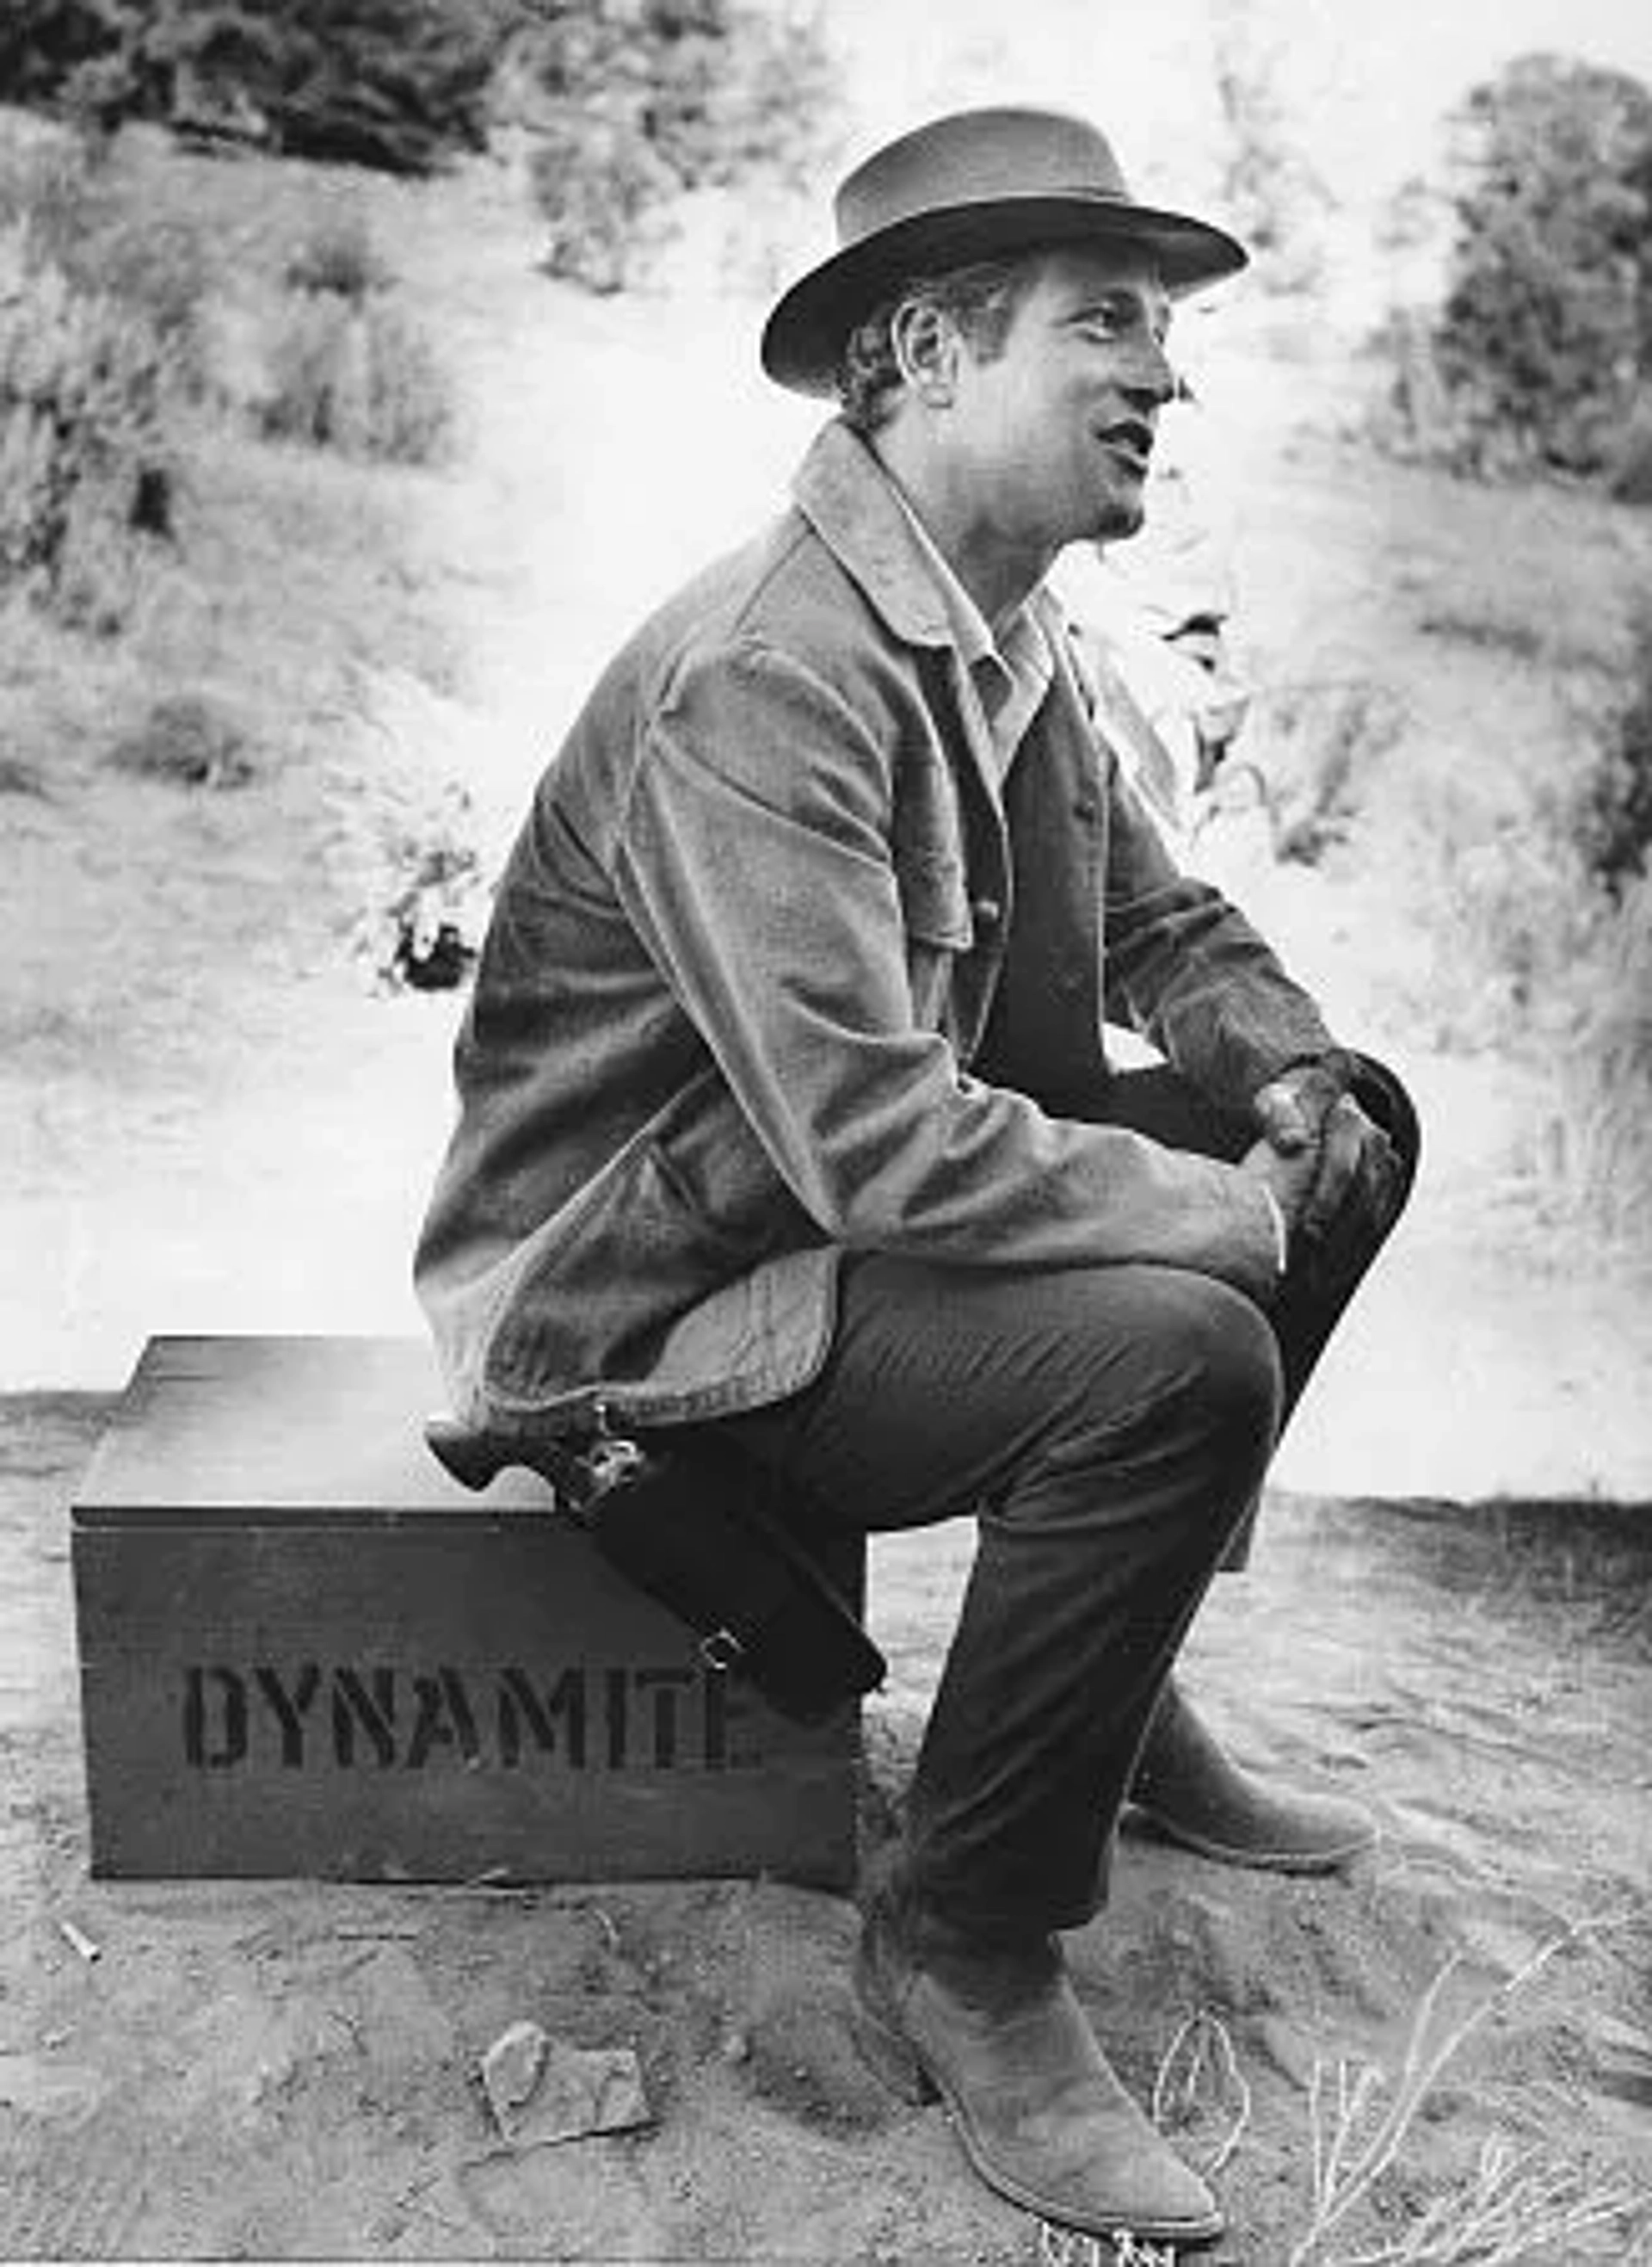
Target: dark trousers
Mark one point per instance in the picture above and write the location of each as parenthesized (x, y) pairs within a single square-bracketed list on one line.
[(1109, 1428)]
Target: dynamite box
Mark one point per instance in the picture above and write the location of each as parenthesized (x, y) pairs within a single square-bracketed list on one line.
[(305, 1651)]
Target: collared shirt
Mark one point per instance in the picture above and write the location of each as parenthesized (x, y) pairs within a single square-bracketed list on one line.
[(1011, 673)]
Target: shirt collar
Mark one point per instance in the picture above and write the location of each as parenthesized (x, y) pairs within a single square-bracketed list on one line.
[(877, 536)]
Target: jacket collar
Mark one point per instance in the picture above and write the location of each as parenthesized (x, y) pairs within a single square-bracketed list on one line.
[(875, 535), (850, 502)]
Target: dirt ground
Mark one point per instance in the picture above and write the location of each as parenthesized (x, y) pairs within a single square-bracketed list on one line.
[(280, 2069)]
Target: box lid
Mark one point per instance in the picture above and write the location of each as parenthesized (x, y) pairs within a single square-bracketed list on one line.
[(284, 1428)]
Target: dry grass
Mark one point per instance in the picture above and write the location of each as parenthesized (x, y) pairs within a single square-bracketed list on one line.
[(1199, 2083), (1609, 1074), (1514, 2208)]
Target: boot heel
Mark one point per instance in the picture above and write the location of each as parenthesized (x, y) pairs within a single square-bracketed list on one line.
[(890, 2060)]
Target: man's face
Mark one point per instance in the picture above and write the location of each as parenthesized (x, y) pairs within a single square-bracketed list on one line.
[(1051, 437)]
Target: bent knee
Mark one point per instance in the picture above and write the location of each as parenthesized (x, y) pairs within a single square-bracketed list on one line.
[(1204, 1349), (1223, 1357)]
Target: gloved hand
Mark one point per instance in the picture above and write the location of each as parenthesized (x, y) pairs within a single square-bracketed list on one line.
[(1335, 1164)]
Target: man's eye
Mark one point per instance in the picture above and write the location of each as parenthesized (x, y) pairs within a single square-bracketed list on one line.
[(1117, 322)]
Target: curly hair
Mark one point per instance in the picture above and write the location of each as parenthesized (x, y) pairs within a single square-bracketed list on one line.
[(979, 300)]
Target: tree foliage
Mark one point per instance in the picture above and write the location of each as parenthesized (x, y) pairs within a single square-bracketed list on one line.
[(634, 102), (1274, 197), (392, 84), (712, 88), (1544, 338), (43, 42)]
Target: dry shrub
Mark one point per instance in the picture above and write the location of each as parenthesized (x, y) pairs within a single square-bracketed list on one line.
[(19, 776), (336, 256), (1514, 2208), (1309, 749), (1539, 917), (47, 186), (1631, 458), (185, 740), (363, 379), (87, 470), (92, 223), (419, 852), (411, 410), (1609, 1080), (1609, 1068), (603, 192), (1613, 817)]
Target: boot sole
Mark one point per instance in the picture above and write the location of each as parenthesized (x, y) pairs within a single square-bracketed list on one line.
[(1257, 1861), (894, 2060)]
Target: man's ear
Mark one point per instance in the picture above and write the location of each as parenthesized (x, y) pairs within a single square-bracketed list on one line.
[(926, 347)]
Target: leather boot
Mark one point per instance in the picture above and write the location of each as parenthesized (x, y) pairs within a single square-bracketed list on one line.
[(1191, 1794), (996, 2031)]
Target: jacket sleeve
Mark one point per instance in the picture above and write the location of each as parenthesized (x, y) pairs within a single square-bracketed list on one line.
[(753, 857), (1183, 966), (1188, 970)]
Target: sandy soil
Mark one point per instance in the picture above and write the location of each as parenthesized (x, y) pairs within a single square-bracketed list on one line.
[(290, 2070)]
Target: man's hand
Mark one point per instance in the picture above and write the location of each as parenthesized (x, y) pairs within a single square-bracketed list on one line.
[(1322, 1156), (1291, 1109), (1288, 1178)]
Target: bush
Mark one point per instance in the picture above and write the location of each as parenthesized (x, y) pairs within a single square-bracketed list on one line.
[(365, 381), (1309, 750), (1614, 825), (337, 255), (601, 189), (411, 417), (1609, 1077), (42, 42), (1632, 458), (632, 108), (1547, 328), (86, 477), (185, 740), (88, 222), (393, 83)]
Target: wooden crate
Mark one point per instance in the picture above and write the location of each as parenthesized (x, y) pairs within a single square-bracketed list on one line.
[(305, 1650)]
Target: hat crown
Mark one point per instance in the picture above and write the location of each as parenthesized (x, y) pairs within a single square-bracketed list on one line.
[(978, 157), (978, 184)]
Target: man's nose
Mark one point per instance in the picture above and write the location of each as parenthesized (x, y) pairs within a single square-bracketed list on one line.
[(1153, 378)]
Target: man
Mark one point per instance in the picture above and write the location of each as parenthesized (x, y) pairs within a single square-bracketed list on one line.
[(785, 1112)]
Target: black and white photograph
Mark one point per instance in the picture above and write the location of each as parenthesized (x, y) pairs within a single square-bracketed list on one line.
[(826, 1133)]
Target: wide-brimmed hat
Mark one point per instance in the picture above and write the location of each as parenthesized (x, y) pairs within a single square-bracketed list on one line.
[(976, 185)]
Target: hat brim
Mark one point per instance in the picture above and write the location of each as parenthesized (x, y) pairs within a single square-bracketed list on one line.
[(803, 338)]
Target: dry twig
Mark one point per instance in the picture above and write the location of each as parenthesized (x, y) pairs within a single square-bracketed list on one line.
[(1358, 2123), (1202, 2042)]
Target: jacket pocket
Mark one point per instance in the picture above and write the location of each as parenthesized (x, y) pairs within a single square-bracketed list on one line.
[(599, 1285)]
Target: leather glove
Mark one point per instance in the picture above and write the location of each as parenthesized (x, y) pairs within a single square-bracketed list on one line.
[(1309, 1112)]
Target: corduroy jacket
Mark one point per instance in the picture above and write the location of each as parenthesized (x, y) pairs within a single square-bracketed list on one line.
[(776, 973)]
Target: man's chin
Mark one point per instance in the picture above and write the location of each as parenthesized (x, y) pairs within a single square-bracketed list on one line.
[(1123, 516)]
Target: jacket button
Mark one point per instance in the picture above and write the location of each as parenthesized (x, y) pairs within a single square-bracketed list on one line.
[(987, 913)]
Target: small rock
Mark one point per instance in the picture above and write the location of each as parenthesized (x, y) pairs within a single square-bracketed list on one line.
[(511, 2067), (541, 2089)]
